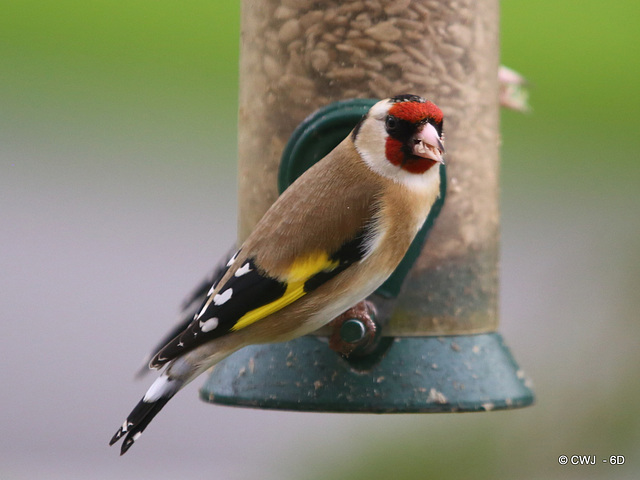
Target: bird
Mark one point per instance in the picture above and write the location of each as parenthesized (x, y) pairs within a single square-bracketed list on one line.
[(329, 241)]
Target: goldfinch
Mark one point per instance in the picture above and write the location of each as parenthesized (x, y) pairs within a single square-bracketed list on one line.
[(330, 240)]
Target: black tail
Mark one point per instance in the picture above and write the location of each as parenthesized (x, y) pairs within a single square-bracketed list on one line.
[(137, 421)]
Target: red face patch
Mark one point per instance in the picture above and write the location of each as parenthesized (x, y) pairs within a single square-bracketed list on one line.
[(410, 163), (415, 112), (393, 151)]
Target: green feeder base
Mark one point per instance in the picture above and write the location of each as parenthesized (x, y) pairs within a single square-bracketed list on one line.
[(464, 373)]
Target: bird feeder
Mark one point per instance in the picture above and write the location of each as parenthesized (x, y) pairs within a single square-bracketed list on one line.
[(308, 71)]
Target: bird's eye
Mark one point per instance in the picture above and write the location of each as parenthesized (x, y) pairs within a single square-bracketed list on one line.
[(391, 123)]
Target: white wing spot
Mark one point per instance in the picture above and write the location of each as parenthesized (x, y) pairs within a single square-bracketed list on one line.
[(243, 270), (233, 259), (223, 297), (136, 436), (213, 287), (209, 325)]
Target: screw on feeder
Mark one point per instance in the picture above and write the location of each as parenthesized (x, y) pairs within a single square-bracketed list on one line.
[(355, 332), (352, 330)]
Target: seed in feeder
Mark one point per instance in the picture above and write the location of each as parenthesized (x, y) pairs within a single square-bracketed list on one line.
[(451, 52), (361, 22), (347, 48), (457, 71), (298, 4), (377, 90), (271, 67), (384, 31), (289, 31), (372, 64), (340, 32), (354, 73), (398, 6), (424, 12), (311, 18), (418, 55), (397, 58), (373, 6), (413, 77), (460, 35), (351, 7), (364, 43), (390, 47), (330, 15), (381, 80), (284, 13), (330, 38), (319, 60), (414, 25)]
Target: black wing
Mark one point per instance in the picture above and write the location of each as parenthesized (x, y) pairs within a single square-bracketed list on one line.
[(250, 295)]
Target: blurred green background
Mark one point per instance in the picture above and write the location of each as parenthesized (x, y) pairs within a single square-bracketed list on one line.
[(117, 145)]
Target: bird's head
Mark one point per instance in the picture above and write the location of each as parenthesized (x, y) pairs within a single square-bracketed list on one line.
[(401, 135)]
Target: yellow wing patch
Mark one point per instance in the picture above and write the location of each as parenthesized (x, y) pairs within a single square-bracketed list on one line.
[(300, 271), (294, 291)]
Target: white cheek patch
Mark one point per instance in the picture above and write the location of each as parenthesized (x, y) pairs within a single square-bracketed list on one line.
[(209, 325), (223, 297), (380, 109)]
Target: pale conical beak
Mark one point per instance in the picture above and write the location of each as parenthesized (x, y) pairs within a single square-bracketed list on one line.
[(427, 144)]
